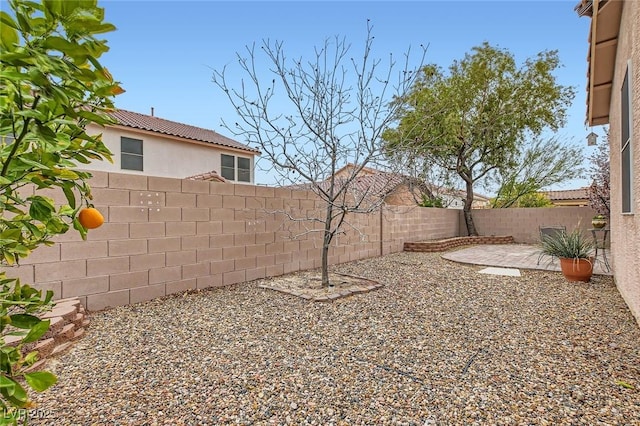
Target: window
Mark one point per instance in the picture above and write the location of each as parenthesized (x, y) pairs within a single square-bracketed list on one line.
[(626, 154), (131, 154), (229, 167), (244, 170)]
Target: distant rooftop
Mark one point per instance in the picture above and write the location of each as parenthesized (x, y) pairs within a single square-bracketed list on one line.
[(160, 125), (568, 194)]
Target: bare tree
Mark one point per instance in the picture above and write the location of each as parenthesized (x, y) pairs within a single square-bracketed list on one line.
[(337, 109)]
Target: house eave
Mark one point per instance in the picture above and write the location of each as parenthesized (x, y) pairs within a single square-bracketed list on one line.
[(603, 44), (247, 152)]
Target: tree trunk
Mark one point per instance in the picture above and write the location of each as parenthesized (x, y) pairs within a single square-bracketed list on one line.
[(468, 219), (326, 242)]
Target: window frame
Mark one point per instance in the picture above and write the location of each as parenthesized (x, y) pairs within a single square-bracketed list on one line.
[(126, 154), (236, 171), (224, 169), (244, 170), (626, 146)]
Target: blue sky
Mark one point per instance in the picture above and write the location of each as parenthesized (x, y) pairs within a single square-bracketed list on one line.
[(163, 52)]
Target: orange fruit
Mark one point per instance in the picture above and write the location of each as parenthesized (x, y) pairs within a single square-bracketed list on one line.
[(90, 218)]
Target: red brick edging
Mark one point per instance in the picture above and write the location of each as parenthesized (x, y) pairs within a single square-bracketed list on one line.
[(449, 243)]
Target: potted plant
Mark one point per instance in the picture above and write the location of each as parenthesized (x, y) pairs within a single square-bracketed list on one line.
[(574, 251), (599, 221)]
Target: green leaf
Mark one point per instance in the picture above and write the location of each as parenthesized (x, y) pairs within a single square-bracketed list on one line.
[(40, 380), (90, 116), (71, 198), (41, 208), (24, 321), (16, 395), (37, 331), (81, 229), (7, 383), (59, 43), (6, 20), (48, 297), (31, 357), (9, 258), (8, 34), (54, 7)]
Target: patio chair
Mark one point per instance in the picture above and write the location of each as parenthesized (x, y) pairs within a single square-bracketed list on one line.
[(549, 230)]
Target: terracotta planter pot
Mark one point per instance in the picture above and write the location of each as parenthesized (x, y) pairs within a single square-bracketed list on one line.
[(577, 269)]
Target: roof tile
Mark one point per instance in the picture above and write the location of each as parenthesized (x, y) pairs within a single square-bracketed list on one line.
[(173, 128), (211, 176), (568, 194)]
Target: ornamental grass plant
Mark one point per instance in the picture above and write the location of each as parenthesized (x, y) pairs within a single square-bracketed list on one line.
[(574, 245)]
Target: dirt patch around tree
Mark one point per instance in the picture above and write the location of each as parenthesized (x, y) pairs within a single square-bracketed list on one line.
[(308, 285)]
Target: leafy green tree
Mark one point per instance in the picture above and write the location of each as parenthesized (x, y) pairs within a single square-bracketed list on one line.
[(535, 199), (431, 202), (51, 87), (544, 162), (473, 120)]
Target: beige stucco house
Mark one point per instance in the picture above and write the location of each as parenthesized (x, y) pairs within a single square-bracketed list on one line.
[(613, 87), (152, 146)]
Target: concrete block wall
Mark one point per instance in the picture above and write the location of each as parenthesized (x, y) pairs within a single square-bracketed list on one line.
[(402, 224), (163, 236), (524, 223)]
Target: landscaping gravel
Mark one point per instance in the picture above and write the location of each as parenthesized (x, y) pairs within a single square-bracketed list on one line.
[(439, 344)]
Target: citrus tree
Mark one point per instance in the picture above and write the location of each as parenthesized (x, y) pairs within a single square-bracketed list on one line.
[(51, 87)]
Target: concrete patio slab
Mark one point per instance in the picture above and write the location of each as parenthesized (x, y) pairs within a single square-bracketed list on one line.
[(520, 256)]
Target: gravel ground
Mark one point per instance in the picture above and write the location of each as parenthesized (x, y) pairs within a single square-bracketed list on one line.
[(439, 344)]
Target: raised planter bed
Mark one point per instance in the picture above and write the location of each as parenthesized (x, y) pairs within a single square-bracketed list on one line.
[(449, 243)]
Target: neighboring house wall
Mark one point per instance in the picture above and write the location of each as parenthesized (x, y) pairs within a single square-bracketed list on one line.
[(403, 196), (480, 203), (163, 155), (452, 202), (457, 202), (625, 227)]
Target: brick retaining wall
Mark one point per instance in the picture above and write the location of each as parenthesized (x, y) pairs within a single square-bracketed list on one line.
[(449, 243)]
